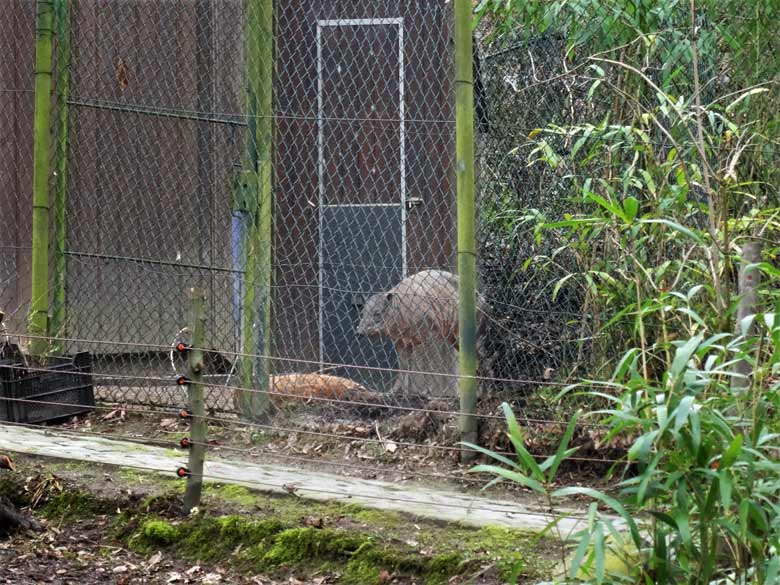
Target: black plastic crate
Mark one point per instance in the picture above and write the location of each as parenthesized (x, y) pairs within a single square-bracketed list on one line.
[(52, 392)]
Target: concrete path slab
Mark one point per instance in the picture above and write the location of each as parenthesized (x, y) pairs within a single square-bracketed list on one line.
[(448, 506)]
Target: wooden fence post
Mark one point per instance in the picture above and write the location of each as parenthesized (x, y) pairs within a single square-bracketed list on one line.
[(197, 406)]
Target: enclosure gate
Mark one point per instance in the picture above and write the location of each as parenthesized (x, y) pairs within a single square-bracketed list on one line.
[(361, 183)]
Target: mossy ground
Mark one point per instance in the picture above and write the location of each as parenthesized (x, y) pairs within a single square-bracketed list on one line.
[(270, 547), (279, 536)]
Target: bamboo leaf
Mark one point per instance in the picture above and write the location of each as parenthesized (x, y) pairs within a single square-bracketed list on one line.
[(732, 453), (609, 501), (683, 355), (489, 453), (576, 562), (562, 451), (676, 227), (514, 476), (516, 436), (631, 206), (747, 94)]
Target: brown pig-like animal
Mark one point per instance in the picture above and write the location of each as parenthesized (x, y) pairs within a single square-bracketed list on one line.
[(423, 304)]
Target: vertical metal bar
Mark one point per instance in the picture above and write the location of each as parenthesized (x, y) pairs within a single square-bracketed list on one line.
[(320, 193), (402, 131), (197, 405), (59, 306), (256, 334), (464, 167), (39, 304)]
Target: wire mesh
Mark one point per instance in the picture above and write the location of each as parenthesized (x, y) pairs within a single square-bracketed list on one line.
[(296, 162), (16, 117), (165, 189)]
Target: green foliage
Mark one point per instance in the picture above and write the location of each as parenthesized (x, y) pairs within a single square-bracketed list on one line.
[(700, 497), (671, 165), (663, 156)]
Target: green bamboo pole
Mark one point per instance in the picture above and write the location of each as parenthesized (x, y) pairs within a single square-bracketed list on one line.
[(464, 147), (59, 309), (39, 303), (256, 330), (197, 405)]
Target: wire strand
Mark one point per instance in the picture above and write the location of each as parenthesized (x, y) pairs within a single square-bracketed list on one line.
[(166, 347), (345, 438), (298, 397)]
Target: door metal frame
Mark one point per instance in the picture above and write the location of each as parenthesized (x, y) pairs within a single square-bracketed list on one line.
[(321, 24)]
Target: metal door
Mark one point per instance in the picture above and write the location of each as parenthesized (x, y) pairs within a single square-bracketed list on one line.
[(362, 247)]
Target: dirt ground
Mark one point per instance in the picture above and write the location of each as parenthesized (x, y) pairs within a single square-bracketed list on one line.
[(79, 554), (391, 446), (75, 551), (79, 546)]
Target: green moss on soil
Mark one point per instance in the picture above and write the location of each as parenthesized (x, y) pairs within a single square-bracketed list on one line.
[(232, 493), (270, 547), (73, 504), (157, 533), (358, 543)]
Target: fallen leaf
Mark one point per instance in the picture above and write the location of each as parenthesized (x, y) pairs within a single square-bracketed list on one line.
[(313, 522), (156, 558), (211, 578), (120, 569)]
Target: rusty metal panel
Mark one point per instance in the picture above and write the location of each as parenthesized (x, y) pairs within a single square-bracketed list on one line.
[(17, 46), (155, 100)]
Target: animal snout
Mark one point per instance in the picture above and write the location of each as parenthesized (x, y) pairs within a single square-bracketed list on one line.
[(367, 329)]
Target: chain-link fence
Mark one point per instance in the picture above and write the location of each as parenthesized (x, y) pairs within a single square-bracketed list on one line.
[(16, 121), (296, 162), (291, 177)]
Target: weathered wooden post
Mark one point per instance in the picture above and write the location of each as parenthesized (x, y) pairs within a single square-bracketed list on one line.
[(749, 281), (464, 168), (197, 405)]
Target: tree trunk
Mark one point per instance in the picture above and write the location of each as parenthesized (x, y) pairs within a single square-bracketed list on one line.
[(749, 282)]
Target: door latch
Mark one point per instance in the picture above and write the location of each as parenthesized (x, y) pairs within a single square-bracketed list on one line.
[(413, 202)]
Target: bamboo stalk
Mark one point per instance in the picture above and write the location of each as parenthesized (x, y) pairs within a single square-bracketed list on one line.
[(464, 147), (39, 303), (256, 327), (59, 308)]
